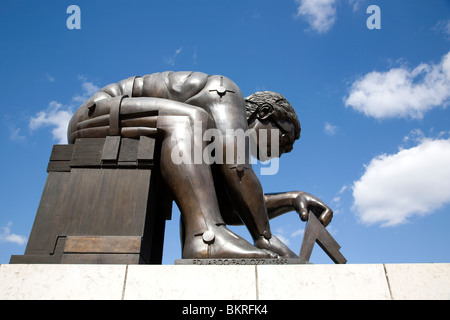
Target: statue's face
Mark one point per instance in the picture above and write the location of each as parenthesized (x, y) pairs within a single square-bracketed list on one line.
[(284, 129)]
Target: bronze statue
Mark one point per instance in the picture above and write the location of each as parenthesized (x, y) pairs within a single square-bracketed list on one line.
[(170, 105)]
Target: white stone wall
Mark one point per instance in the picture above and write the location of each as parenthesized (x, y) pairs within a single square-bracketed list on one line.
[(186, 282)]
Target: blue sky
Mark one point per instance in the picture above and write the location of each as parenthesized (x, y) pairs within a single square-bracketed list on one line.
[(372, 103)]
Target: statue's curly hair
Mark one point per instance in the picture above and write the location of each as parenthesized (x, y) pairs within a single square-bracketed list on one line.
[(282, 109)]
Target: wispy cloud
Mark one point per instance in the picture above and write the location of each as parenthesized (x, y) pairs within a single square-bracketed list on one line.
[(49, 77), (320, 14), (283, 238), (88, 89), (289, 237), (330, 129), (14, 133), (194, 55), (443, 27), (337, 198), (250, 16), (7, 236), (171, 60), (298, 233), (401, 92), (355, 4)]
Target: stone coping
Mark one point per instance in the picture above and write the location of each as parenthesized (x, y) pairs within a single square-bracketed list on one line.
[(225, 282)]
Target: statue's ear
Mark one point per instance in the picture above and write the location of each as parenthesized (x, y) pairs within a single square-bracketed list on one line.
[(264, 111)]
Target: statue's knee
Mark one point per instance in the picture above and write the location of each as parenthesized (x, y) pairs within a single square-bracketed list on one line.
[(200, 115)]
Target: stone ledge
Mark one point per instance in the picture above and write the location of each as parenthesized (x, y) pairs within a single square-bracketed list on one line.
[(233, 282)]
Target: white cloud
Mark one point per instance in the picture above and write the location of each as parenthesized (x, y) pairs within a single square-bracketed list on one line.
[(400, 92), (320, 14), (443, 27), (56, 115), (336, 201), (289, 237), (89, 88), (330, 129), (49, 77), (415, 135), (280, 233), (283, 238), (194, 55), (14, 133), (395, 187), (171, 60), (7, 236), (355, 4), (298, 233)]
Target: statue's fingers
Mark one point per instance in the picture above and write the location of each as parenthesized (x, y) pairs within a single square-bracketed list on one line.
[(326, 217), (303, 212)]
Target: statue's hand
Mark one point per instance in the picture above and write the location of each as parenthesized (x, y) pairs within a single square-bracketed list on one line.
[(304, 202)]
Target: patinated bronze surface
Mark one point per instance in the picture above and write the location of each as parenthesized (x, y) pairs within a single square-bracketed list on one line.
[(170, 107), (104, 202), (134, 147)]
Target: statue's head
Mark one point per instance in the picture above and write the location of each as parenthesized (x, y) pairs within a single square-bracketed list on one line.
[(270, 110)]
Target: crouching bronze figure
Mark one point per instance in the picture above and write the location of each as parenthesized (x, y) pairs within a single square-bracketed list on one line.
[(178, 106)]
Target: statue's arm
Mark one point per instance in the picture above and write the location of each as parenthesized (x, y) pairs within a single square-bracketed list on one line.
[(280, 203), (128, 117), (299, 201)]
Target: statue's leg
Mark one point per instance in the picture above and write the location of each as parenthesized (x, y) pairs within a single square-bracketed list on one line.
[(189, 178), (242, 183), (205, 234), (243, 186)]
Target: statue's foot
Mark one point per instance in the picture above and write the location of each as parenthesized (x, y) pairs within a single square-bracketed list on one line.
[(275, 245), (220, 243)]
